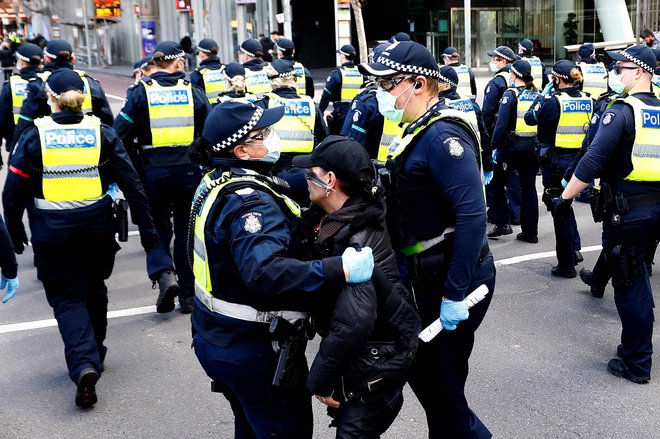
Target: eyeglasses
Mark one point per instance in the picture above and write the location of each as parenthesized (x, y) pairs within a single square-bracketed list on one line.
[(261, 135), (617, 68), (388, 84), (311, 176)]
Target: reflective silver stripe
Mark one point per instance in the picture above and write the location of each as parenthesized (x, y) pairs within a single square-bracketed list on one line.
[(198, 247), (40, 203), (172, 122), (16, 109), (351, 85), (297, 135), (144, 147), (602, 85), (579, 129), (525, 133), (244, 312), (521, 114), (646, 151), (69, 168), (387, 139), (71, 174)]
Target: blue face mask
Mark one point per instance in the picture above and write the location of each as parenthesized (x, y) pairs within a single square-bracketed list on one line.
[(387, 104)]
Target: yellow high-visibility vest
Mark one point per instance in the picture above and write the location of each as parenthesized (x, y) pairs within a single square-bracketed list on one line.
[(464, 88), (214, 82), (70, 155), (525, 100), (211, 189), (171, 114), (257, 81), (296, 128), (467, 107), (595, 78), (301, 85), (574, 118), (645, 155), (351, 81), (537, 70), (87, 102), (391, 131), (655, 87), (17, 86)]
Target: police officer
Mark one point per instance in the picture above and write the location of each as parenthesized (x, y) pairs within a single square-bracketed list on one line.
[(562, 118), (514, 148), (245, 274), (435, 186), (209, 76), (447, 86), (594, 72), (28, 60), (624, 154), (467, 86), (341, 87), (144, 67), (166, 113), (304, 80), (526, 51), (299, 131), (235, 84), (257, 80), (58, 54), (60, 170), (8, 264)]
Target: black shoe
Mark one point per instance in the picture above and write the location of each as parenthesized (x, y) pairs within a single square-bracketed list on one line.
[(563, 272), (500, 231), (617, 367), (578, 257), (515, 222), (169, 289), (619, 351), (530, 239), (86, 390), (587, 277)]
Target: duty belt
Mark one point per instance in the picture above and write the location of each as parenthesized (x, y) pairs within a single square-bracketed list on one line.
[(246, 312), (427, 244), (625, 202)]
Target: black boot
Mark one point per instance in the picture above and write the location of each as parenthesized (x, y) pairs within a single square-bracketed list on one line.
[(500, 231), (86, 390), (186, 300), (587, 277), (169, 289)]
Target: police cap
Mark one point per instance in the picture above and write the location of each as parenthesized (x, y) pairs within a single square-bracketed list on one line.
[(526, 45), (283, 67), (284, 44), (170, 50), (230, 122), (342, 155), (503, 52), (63, 80), (398, 37), (562, 68), (233, 69), (586, 50), (521, 68), (208, 46), (28, 52), (404, 57), (640, 55), (252, 47), (449, 52), (58, 50), (448, 76), (144, 62), (347, 50)]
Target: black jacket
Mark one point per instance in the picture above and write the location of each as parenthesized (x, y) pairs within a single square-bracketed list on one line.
[(370, 333)]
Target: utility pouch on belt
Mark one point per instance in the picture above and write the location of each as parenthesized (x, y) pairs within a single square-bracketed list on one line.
[(619, 264), (292, 340), (120, 210), (433, 263), (548, 195), (597, 202)]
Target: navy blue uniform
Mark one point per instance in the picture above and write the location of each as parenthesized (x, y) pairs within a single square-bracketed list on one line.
[(545, 113), (35, 103), (74, 249), (514, 153), (170, 176), (332, 93), (7, 257), (473, 82), (7, 124), (544, 77), (256, 268), (608, 157), (364, 123), (211, 63), (441, 164)]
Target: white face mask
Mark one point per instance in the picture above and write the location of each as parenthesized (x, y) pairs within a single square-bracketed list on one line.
[(616, 82), (493, 66), (387, 104), (273, 144)]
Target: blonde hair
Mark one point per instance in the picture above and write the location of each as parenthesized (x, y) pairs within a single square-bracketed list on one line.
[(71, 100), (237, 83), (278, 81), (575, 75)]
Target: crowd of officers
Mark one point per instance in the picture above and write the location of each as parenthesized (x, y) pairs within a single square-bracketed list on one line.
[(215, 169)]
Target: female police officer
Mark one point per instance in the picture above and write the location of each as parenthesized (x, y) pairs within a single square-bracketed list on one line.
[(562, 118), (60, 171), (245, 274), (436, 186)]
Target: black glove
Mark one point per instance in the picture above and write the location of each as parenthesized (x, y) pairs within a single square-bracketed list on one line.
[(548, 195), (18, 236), (561, 209), (148, 238), (198, 150)]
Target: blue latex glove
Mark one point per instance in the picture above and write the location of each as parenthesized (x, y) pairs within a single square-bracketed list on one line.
[(564, 183), (494, 156), (113, 190), (452, 312), (358, 263), (547, 89), (12, 287), (488, 177)]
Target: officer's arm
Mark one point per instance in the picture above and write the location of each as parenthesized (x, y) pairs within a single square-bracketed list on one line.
[(544, 77), (202, 109), (329, 90), (502, 124), (125, 123), (260, 239), (459, 180), (7, 255), (532, 115), (196, 79), (21, 177), (351, 324), (320, 128), (100, 106), (356, 122), (491, 103), (473, 84), (6, 114), (486, 150), (309, 84)]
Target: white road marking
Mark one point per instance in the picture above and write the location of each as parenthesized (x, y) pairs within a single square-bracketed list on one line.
[(532, 256), (119, 98)]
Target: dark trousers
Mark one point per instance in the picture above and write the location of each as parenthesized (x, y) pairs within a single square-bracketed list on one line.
[(366, 420), (639, 228), (441, 366), (243, 372), (73, 275), (601, 273), (526, 163), (567, 237), (512, 194), (170, 192)]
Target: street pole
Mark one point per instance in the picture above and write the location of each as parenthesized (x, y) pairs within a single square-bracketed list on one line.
[(89, 43), (271, 16), (286, 6), (468, 32), (240, 23)]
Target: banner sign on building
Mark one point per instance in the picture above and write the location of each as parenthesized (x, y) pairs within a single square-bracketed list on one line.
[(108, 8), (148, 37)]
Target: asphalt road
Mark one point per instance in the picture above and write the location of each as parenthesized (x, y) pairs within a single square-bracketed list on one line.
[(538, 369)]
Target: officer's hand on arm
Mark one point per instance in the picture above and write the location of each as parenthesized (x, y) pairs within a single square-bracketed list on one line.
[(328, 400), (548, 88), (18, 236), (12, 287), (452, 312), (358, 264)]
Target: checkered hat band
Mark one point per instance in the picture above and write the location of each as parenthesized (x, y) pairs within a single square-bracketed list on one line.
[(175, 56), (21, 57), (446, 80), (50, 91), (247, 53), (408, 68), (501, 55), (559, 75), (517, 73), (50, 55), (286, 75), (143, 65), (201, 49), (637, 61), (244, 131)]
